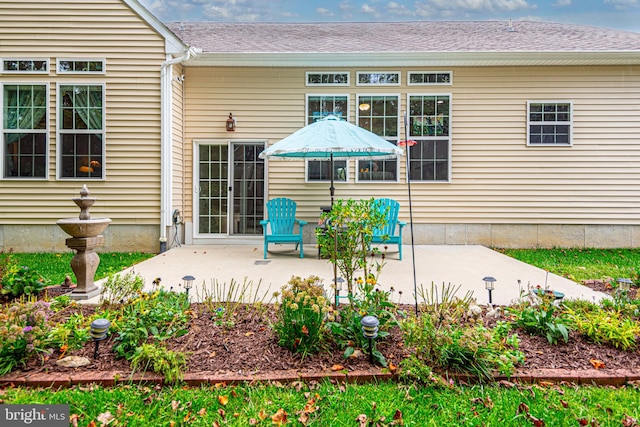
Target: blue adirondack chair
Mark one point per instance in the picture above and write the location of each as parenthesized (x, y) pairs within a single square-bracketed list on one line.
[(281, 218), (387, 234)]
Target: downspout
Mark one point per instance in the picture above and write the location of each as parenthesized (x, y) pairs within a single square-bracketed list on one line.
[(166, 142)]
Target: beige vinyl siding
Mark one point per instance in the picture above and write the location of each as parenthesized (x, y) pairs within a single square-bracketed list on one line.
[(495, 177), (104, 29), (178, 148)]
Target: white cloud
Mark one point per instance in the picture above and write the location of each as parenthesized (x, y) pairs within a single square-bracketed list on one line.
[(562, 3), (368, 9), (324, 11), (623, 4)]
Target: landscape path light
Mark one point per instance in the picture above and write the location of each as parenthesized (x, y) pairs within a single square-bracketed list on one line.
[(338, 281), (624, 284), (489, 284), (99, 330), (188, 284), (370, 331)]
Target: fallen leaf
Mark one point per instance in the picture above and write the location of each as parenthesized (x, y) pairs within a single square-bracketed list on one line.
[(392, 368), (536, 421), (397, 417), (303, 418), (598, 364), (91, 424), (583, 421), (564, 404), (628, 421), (106, 418), (262, 415), (280, 417), (223, 400), (522, 408), (253, 422), (248, 334), (362, 419), (337, 367), (222, 413), (73, 419), (174, 405), (215, 424), (202, 412), (305, 330)]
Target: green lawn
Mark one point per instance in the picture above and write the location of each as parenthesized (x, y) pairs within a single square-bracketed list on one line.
[(326, 404)]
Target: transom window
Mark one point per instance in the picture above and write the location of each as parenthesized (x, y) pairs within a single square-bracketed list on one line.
[(19, 65), (429, 117), (429, 77), (25, 131), (378, 78), (328, 79), (78, 66), (319, 106), (549, 123), (379, 114), (81, 131)]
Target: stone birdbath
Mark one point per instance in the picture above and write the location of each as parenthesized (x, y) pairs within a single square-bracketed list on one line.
[(85, 237)]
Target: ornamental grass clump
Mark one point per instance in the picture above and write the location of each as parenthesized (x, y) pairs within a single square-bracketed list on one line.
[(23, 333), (300, 324)]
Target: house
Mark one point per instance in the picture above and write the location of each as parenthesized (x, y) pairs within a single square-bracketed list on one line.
[(528, 133)]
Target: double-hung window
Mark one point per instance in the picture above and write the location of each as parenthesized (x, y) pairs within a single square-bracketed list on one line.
[(81, 133), (379, 114), (549, 123), (318, 107), (429, 120), (25, 131)]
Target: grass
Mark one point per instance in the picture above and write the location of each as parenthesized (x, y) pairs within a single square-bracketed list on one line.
[(55, 266), (327, 404), (582, 264)]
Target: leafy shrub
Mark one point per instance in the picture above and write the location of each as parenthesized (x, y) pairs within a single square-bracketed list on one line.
[(18, 280), (23, 333), (120, 288), (347, 238), (159, 315), (167, 363), (540, 320), (606, 327), (473, 350), (61, 302), (70, 335), (367, 301), (300, 325)]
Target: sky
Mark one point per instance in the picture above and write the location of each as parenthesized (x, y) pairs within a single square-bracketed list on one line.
[(616, 14)]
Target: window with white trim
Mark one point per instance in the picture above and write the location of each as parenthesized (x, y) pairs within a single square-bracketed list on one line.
[(25, 130), (327, 78), (24, 65), (429, 119), (320, 106), (429, 78), (549, 123), (379, 78), (81, 132), (81, 66), (379, 114)]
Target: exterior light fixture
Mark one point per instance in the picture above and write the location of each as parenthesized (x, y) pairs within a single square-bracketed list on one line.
[(99, 330), (231, 123), (489, 284), (370, 331), (624, 284), (188, 283)]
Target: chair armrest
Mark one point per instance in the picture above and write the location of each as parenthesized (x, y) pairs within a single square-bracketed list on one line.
[(401, 224), (264, 222), (301, 222)]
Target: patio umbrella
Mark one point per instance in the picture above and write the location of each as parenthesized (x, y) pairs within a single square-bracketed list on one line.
[(331, 138)]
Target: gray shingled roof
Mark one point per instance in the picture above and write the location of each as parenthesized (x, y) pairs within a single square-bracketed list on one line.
[(436, 36)]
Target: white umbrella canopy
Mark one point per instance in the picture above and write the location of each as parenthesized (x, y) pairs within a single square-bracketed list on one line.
[(330, 138)]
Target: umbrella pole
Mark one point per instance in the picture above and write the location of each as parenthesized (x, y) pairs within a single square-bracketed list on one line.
[(413, 252), (332, 189)]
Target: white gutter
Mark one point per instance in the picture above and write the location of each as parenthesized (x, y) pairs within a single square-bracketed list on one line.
[(166, 175)]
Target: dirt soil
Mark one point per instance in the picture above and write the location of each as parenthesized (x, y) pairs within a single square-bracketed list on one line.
[(251, 347)]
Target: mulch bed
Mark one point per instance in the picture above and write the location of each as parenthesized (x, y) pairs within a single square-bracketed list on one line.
[(250, 347)]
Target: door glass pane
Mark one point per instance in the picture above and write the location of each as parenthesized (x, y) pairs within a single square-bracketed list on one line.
[(248, 188), (212, 199)]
